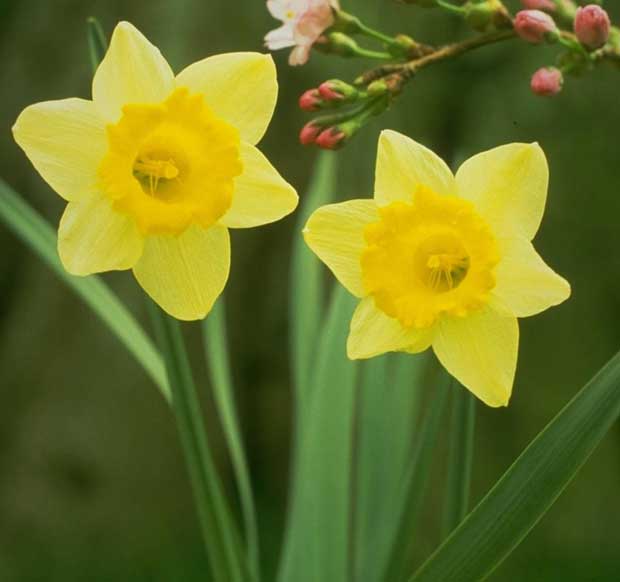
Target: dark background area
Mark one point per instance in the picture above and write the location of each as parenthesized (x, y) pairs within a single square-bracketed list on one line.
[(92, 484)]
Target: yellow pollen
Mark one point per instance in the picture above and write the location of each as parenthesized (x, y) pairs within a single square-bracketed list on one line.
[(290, 14), (432, 257)]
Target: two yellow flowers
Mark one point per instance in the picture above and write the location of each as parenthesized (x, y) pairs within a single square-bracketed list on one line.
[(157, 168)]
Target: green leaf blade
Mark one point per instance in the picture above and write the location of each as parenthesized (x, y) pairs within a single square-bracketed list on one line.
[(390, 395), (307, 293), (215, 341), (317, 542), (530, 486), (40, 237)]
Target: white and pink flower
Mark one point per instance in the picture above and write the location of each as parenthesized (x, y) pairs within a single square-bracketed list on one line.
[(304, 21)]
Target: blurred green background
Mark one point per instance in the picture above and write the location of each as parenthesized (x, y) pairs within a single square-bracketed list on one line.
[(92, 484)]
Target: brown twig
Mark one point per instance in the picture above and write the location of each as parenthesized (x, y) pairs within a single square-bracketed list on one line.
[(408, 69)]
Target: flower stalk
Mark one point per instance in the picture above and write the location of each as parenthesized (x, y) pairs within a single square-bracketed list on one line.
[(216, 522), (460, 458)]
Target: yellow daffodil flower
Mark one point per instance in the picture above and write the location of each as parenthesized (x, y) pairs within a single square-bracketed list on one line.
[(157, 168), (442, 260)]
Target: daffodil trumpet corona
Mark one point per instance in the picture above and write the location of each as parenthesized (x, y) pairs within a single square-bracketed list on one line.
[(444, 260), (157, 168)]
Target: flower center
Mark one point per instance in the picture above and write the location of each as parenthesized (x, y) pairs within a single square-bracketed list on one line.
[(154, 172), (442, 263), (427, 258), (172, 164)]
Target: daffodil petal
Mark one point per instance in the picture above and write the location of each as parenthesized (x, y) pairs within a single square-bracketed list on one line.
[(132, 71), (374, 333), (335, 233), (241, 88), (94, 238), (261, 195), (185, 274), (508, 185), (65, 141), (525, 285), (403, 165), (480, 351)]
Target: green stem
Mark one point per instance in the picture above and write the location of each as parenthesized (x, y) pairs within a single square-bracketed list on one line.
[(377, 35), (460, 458), (216, 522), (353, 25), (368, 54), (451, 7), (416, 478), (215, 341)]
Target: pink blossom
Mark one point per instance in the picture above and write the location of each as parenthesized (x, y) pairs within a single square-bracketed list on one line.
[(534, 25), (592, 26), (547, 82), (309, 133), (310, 100), (304, 21), (330, 139), (329, 92)]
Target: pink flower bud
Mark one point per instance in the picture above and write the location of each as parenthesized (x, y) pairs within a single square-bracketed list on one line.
[(309, 133), (546, 5), (547, 82), (535, 26), (592, 26), (330, 139), (328, 93), (310, 100)]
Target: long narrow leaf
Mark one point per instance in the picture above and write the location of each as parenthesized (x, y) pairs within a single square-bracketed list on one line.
[(307, 294), (460, 458), (529, 488), (389, 405), (39, 236), (317, 541), (97, 42), (416, 479), (217, 524), (215, 340), (306, 318)]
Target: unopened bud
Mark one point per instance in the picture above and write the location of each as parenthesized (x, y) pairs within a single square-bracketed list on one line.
[(547, 82), (310, 100), (337, 90), (331, 138), (309, 133), (486, 15), (592, 26), (535, 26), (546, 5), (378, 87), (341, 44)]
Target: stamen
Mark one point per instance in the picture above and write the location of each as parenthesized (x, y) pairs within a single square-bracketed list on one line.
[(158, 168), (154, 171), (446, 271)]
